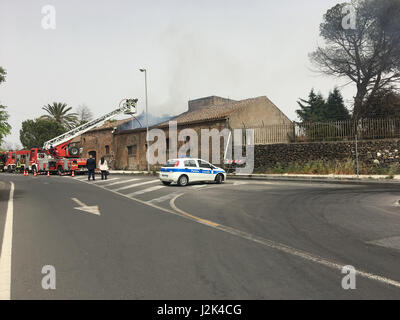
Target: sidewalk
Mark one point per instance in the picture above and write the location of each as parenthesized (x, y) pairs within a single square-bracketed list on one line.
[(295, 177)]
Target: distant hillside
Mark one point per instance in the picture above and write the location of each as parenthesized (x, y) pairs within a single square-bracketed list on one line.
[(153, 120)]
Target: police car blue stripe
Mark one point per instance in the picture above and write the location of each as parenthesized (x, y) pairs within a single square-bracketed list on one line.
[(189, 170)]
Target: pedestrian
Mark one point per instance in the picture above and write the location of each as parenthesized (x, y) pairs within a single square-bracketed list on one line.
[(91, 166), (103, 165)]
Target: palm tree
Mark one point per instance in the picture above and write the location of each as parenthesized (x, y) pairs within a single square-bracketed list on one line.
[(60, 113)]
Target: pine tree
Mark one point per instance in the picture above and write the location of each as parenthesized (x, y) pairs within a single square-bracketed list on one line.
[(335, 110), (317, 109), (312, 110)]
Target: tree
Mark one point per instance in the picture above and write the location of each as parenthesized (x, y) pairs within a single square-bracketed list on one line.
[(367, 55), (34, 133), (5, 128), (335, 110), (3, 74), (385, 104), (312, 110), (60, 113), (317, 109), (84, 114)]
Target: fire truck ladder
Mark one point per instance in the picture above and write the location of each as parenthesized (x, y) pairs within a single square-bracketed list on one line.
[(128, 107)]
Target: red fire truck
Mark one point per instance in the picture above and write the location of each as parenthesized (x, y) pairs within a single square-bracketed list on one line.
[(57, 155), (13, 157)]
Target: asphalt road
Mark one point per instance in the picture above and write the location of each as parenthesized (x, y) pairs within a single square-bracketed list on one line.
[(239, 240)]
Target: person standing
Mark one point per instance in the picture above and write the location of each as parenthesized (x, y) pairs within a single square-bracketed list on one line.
[(91, 166), (18, 166), (103, 165)]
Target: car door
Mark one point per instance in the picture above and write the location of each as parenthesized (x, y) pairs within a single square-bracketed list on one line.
[(192, 170), (205, 171)]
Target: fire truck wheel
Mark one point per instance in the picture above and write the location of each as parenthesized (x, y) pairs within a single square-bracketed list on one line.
[(74, 151), (60, 170)]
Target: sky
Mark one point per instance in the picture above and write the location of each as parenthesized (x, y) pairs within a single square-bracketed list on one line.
[(191, 49)]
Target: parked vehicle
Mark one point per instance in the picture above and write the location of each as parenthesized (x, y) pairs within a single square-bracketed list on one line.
[(15, 157), (186, 170), (57, 155)]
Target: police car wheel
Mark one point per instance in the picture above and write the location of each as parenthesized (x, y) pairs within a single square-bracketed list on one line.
[(183, 181), (219, 178)]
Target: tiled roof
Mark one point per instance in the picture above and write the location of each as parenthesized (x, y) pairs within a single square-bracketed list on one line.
[(109, 124), (214, 112)]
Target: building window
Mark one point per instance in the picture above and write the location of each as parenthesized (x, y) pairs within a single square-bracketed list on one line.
[(107, 149), (167, 143), (132, 150), (187, 139)]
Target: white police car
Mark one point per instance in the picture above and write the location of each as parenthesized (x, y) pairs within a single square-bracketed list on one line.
[(186, 170)]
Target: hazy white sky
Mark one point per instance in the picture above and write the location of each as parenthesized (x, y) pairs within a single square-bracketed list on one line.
[(236, 49)]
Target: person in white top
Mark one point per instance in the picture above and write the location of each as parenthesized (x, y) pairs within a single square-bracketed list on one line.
[(103, 166)]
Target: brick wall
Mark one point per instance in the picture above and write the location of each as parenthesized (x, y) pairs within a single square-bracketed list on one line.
[(126, 142)]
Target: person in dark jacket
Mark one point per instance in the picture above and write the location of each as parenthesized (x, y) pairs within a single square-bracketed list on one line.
[(91, 166)]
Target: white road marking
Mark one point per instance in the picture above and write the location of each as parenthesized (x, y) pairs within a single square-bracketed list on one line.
[(145, 191), (79, 178), (83, 207), (281, 247), (136, 185), (198, 186), (108, 180), (120, 182), (6, 250), (269, 243), (163, 198), (393, 242)]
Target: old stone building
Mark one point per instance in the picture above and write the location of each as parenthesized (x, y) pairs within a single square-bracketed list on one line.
[(205, 113), (126, 149), (99, 141)]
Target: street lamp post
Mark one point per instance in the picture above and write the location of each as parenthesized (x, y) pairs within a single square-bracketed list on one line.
[(147, 119)]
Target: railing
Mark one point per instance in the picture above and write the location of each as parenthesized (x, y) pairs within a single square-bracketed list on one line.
[(365, 129)]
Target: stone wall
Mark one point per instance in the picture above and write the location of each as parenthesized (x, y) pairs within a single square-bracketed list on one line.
[(374, 153)]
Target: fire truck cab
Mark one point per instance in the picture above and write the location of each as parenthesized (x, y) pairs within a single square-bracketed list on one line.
[(13, 157)]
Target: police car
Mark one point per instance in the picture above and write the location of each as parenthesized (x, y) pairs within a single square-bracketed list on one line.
[(186, 170)]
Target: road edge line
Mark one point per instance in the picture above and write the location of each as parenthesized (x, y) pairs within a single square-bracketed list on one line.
[(284, 248), (6, 249)]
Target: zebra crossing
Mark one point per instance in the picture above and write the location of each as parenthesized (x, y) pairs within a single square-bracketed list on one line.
[(147, 189)]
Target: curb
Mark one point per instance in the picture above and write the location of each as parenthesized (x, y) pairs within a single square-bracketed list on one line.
[(367, 180), (342, 179)]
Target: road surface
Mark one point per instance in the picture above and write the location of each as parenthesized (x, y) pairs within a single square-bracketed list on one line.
[(133, 238)]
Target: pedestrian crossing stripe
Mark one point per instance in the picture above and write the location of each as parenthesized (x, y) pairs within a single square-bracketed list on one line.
[(136, 185), (145, 191), (120, 182), (199, 186), (108, 180), (167, 197)]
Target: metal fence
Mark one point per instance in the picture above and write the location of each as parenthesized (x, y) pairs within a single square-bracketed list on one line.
[(366, 129)]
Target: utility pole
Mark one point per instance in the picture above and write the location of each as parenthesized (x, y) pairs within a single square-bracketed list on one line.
[(147, 119)]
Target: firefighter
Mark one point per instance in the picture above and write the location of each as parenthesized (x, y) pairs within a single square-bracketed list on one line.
[(18, 166)]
